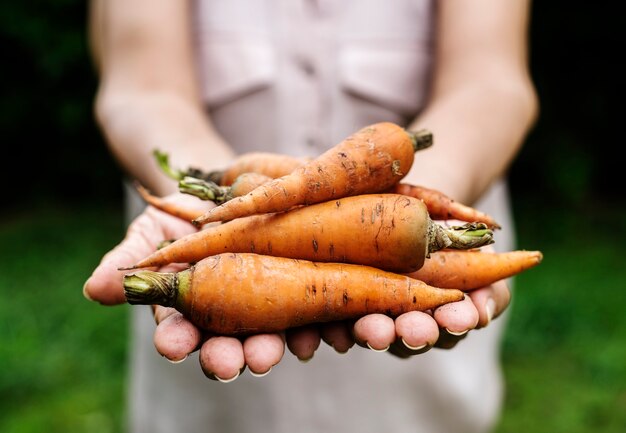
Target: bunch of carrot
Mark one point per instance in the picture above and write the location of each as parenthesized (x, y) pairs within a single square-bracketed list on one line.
[(330, 238)]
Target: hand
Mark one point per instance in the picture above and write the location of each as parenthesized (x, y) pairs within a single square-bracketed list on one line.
[(411, 333), (221, 357)]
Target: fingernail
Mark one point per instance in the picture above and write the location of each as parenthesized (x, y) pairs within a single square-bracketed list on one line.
[(305, 360), (341, 352), (457, 334), (176, 361), (260, 374), (228, 380), (85, 294), (408, 346), (490, 307), (378, 350)]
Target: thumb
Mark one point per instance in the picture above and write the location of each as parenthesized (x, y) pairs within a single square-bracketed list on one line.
[(105, 285)]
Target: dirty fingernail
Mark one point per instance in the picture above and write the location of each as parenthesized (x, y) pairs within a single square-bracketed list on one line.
[(85, 292), (228, 380), (260, 374), (457, 334), (490, 307), (305, 360), (378, 350), (408, 346), (177, 361)]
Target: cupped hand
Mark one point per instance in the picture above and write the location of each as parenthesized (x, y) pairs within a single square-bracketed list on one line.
[(221, 357), (224, 358), (414, 332)]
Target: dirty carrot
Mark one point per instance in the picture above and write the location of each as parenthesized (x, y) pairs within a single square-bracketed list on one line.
[(371, 160), (232, 294), (469, 270), (442, 207), (272, 165), (388, 231), (207, 190)]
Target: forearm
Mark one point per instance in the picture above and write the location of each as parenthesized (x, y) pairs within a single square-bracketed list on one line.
[(483, 101), (148, 98), (136, 124)]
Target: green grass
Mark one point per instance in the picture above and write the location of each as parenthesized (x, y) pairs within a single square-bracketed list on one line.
[(565, 348), (63, 358)]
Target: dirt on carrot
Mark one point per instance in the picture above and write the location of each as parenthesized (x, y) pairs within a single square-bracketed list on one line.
[(235, 294), (371, 160), (389, 231)]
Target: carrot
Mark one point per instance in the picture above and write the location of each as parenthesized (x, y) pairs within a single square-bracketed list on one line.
[(388, 231), (370, 160), (469, 270), (206, 190), (272, 165), (185, 213), (442, 207), (232, 294)]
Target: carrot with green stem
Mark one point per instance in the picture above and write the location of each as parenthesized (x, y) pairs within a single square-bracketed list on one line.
[(237, 294), (440, 206), (370, 160), (206, 190), (470, 270), (203, 189), (388, 231), (273, 165)]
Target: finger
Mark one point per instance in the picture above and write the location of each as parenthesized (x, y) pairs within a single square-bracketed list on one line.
[(491, 301), (262, 352), (375, 331), (222, 358), (143, 235), (457, 318), (338, 335), (303, 341), (416, 332), (174, 337)]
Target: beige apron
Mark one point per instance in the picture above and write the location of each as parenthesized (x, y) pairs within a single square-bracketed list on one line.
[(297, 76)]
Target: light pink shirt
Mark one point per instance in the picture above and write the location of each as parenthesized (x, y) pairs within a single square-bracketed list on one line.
[(299, 76), (296, 77)]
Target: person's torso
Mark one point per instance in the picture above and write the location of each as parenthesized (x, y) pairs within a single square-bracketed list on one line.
[(298, 76)]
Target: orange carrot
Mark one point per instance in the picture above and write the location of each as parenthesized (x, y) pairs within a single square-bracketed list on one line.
[(207, 190), (469, 270), (370, 160), (233, 294), (442, 207), (388, 231), (175, 209), (272, 165)]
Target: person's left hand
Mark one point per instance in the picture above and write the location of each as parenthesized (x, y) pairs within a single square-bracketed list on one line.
[(411, 333)]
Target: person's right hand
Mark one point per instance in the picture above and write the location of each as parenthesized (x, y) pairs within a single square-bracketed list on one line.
[(221, 357)]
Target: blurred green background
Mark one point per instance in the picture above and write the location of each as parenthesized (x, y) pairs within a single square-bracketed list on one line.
[(63, 358)]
